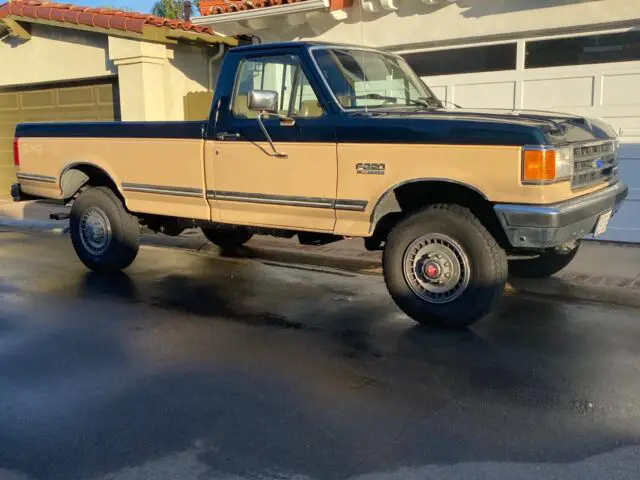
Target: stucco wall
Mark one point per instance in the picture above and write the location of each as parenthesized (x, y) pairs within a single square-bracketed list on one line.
[(153, 78), (186, 71), (53, 55), (415, 23)]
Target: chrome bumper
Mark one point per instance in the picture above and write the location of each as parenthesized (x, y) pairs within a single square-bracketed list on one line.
[(544, 226)]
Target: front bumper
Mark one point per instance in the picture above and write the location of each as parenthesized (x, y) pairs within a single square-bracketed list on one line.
[(545, 226)]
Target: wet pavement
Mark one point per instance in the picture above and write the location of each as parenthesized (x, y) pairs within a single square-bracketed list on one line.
[(193, 366)]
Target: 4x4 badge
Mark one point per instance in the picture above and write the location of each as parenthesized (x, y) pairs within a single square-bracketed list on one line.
[(370, 168)]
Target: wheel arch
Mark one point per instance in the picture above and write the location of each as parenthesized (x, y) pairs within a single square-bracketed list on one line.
[(75, 175), (411, 195)]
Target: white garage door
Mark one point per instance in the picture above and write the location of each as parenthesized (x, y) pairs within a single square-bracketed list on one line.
[(595, 74)]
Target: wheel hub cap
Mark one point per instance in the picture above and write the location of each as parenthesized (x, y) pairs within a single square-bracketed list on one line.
[(95, 231), (436, 268), (432, 270)]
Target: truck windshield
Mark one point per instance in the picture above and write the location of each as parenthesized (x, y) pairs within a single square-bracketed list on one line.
[(372, 79)]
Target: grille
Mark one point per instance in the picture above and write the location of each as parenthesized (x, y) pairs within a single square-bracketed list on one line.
[(594, 163)]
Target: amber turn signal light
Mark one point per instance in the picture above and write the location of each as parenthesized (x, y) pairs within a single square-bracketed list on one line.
[(538, 166)]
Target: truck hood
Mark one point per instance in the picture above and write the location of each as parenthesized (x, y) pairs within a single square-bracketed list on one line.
[(558, 128)]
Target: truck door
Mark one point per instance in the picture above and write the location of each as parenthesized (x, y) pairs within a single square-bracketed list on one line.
[(251, 185)]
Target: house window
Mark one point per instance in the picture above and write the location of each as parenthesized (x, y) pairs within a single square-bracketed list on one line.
[(487, 58), (606, 48)]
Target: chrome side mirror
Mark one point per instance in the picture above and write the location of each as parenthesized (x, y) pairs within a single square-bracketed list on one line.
[(263, 101), (266, 103)]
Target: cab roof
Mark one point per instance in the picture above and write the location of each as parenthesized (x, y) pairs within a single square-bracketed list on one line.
[(296, 44)]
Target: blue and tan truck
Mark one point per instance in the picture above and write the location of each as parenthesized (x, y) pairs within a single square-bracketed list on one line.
[(324, 142)]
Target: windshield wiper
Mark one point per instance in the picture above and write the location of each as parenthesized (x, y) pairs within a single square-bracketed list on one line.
[(376, 96), (422, 101), (436, 102)]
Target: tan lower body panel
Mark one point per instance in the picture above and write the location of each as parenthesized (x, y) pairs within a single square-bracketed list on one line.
[(252, 187)]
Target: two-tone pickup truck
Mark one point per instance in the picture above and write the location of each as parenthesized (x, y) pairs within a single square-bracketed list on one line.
[(325, 142)]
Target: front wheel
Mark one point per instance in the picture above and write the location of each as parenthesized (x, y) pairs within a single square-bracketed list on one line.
[(104, 235), (443, 268)]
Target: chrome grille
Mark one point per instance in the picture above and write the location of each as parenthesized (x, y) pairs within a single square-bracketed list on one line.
[(594, 163)]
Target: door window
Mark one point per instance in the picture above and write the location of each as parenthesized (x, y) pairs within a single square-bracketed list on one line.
[(282, 74)]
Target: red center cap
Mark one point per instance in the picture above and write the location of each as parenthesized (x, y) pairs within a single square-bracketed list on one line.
[(431, 270)]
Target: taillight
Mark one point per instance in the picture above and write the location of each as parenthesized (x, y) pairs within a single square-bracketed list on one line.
[(16, 153)]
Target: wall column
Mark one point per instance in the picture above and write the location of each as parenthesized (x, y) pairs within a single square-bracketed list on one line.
[(141, 77)]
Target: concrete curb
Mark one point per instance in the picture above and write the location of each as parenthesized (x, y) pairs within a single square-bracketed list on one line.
[(53, 226), (556, 288)]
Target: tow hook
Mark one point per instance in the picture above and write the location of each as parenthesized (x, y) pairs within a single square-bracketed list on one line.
[(566, 248)]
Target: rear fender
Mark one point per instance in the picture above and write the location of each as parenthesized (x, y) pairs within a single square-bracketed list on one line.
[(76, 175)]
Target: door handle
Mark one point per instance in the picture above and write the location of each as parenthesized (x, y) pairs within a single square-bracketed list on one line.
[(228, 136)]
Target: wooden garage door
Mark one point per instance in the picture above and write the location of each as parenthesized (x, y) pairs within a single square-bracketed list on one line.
[(73, 102)]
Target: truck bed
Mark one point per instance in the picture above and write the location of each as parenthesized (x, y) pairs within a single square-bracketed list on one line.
[(158, 167)]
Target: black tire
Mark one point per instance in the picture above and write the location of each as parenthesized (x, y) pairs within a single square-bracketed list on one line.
[(455, 228), (543, 266), (227, 238), (101, 206)]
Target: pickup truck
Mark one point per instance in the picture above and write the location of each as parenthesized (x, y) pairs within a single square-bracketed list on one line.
[(324, 142)]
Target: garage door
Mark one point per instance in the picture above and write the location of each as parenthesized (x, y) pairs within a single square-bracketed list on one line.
[(87, 101), (596, 75)]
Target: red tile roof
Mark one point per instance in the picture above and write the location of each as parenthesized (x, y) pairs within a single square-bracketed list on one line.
[(214, 7), (103, 18)]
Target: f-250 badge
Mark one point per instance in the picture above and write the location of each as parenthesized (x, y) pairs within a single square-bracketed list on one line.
[(370, 168)]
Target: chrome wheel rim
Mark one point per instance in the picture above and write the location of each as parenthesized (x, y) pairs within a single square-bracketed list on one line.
[(95, 231), (436, 268)]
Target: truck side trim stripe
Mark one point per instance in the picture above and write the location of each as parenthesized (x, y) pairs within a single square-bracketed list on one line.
[(162, 190), (35, 177), (288, 200)]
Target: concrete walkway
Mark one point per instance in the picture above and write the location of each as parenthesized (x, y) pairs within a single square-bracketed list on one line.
[(602, 271)]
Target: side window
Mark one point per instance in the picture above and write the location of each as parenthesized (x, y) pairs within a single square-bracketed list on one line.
[(282, 74)]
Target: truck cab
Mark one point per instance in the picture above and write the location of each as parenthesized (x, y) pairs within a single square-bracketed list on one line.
[(322, 142)]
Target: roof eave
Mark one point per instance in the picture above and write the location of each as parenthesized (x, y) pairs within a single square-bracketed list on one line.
[(149, 33), (265, 12)]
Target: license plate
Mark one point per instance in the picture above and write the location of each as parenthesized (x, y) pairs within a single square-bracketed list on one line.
[(602, 224)]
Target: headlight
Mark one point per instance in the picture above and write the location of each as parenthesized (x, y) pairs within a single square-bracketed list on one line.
[(542, 165)]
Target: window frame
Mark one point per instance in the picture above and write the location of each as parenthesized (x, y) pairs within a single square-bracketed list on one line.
[(302, 69), (327, 86), (506, 43), (594, 33)]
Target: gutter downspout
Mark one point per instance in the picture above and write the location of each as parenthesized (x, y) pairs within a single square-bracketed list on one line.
[(217, 56)]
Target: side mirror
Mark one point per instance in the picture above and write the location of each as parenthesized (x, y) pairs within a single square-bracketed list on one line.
[(263, 101)]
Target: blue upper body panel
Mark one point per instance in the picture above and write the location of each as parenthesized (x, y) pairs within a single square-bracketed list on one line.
[(407, 125)]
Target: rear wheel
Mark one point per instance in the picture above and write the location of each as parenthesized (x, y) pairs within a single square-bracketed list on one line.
[(227, 238), (104, 235), (545, 265), (443, 268)]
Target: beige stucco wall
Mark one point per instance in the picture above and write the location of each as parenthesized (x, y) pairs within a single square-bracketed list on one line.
[(53, 55), (154, 78), (418, 24), (185, 71)]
